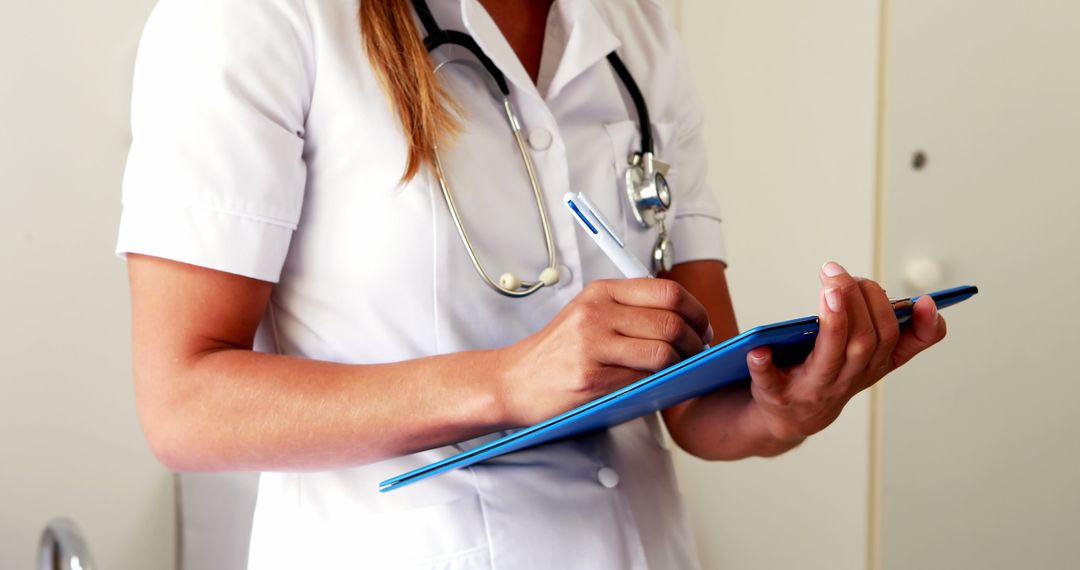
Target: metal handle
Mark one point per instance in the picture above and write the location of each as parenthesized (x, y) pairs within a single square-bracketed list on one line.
[(62, 547)]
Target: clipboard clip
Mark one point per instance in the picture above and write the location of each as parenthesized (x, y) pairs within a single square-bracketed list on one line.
[(904, 307), (901, 302)]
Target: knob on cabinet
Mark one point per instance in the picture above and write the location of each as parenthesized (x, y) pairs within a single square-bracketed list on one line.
[(924, 274)]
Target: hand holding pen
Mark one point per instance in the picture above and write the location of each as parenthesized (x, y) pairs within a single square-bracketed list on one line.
[(614, 332)]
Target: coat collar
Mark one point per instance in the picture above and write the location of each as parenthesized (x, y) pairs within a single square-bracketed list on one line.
[(588, 40)]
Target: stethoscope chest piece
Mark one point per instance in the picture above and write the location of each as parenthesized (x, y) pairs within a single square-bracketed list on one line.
[(650, 198), (663, 254), (647, 189)]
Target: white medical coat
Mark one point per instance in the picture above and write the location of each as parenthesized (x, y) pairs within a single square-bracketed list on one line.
[(264, 146)]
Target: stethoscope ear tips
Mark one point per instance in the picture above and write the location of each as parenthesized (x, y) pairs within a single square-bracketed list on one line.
[(510, 282), (549, 276)]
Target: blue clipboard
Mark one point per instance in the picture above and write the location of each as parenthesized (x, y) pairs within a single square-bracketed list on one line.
[(723, 364)]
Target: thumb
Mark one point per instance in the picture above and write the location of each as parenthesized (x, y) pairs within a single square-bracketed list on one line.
[(766, 380)]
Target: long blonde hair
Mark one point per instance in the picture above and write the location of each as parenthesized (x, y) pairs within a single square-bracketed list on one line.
[(401, 62)]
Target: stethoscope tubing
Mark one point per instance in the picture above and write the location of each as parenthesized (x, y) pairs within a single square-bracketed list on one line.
[(639, 101), (529, 287), (509, 284)]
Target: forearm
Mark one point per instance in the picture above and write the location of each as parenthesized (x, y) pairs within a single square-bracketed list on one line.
[(235, 409), (209, 402)]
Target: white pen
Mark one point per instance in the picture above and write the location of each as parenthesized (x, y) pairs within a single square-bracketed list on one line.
[(599, 230)]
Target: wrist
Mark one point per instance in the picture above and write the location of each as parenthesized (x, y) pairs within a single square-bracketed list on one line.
[(499, 386), (724, 426), (766, 443), (467, 393)]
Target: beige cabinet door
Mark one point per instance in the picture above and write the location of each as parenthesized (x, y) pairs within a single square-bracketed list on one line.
[(981, 463)]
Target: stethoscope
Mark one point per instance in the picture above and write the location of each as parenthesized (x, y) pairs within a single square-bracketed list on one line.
[(647, 188)]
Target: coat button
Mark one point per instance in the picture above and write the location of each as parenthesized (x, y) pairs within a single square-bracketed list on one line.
[(608, 477), (566, 276), (540, 139)]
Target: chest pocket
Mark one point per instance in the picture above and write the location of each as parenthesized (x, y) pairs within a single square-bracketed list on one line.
[(625, 139)]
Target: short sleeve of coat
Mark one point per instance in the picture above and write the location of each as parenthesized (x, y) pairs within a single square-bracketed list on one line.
[(696, 232), (215, 176)]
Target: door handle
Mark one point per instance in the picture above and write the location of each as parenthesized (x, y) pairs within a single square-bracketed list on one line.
[(923, 274), (62, 547)]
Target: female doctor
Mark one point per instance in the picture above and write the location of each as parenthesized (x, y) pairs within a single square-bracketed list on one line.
[(303, 309)]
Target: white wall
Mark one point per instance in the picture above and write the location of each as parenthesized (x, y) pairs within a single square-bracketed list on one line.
[(790, 93), (69, 439)]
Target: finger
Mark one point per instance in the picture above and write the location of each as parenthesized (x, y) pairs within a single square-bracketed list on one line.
[(657, 324), (638, 353), (828, 356), (768, 384), (888, 328), (925, 329), (659, 294), (862, 337)]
